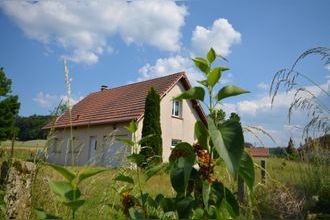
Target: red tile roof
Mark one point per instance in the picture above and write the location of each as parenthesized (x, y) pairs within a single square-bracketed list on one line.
[(259, 152), (121, 104)]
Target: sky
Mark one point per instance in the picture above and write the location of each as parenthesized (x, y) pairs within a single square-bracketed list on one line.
[(118, 42)]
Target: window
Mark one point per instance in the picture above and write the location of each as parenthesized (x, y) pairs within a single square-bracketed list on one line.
[(177, 108), (175, 142)]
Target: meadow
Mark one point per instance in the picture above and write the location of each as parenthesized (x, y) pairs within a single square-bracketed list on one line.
[(293, 189)]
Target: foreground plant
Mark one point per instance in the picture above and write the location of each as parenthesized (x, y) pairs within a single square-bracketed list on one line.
[(67, 191), (199, 192)]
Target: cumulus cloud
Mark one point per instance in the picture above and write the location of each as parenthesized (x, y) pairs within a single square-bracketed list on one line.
[(263, 86), (45, 100), (178, 63), (84, 27), (221, 36)]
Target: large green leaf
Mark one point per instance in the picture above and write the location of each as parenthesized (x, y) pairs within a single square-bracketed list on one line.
[(201, 134), (193, 93), (246, 170), (132, 127), (62, 189), (214, 76), (41, 214), (202, 64), (211, 55), (184, 207), (203, 82), (231, 203), (153, 170), (89, 173), (230, 90), (126, 141), (66, 173), (229, 143), (124, 178), (206, 193), (136, 213), (74, 205)]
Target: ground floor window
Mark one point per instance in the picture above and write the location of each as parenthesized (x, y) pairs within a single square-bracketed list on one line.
[(175, 142)]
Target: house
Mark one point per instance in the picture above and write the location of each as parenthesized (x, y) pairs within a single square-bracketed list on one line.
[(259, 152), (102, 116)]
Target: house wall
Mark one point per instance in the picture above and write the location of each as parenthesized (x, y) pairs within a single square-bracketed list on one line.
[(109, 152), (172, 127)]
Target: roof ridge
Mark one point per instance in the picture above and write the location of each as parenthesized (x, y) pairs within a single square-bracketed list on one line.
[(130, 84)]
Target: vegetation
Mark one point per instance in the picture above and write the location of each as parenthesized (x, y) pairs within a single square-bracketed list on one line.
[(9, 107), (152, 147), (30, 128)]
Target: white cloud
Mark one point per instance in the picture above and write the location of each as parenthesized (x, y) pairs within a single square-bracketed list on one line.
[(170, 65), (263, 86), (84, 27), (327, 67), (45, 100), (221, 36)]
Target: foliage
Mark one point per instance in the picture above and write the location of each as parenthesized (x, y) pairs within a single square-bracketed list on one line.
[(152, 148), (9, 107), (67, 191), (289, 79), (291, 151), (30, 128), (199, 192)]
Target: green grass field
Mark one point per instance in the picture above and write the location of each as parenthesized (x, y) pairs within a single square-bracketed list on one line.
[(296, 182)]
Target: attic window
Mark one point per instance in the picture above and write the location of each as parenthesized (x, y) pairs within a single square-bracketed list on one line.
[(177, 108)]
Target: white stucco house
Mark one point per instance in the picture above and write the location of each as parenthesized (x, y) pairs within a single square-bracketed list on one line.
[(102, 116)]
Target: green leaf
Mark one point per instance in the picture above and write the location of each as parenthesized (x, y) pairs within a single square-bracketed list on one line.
[(167, 204), (126, 141), (198, 214), (246, 170), (74, 205), (193, 93), (214, 76), (231, 203), (202, 64), (89, 173), (229, 143), (184, 207), (153, 170), (224, 68), (41, 214), (66, 173), (203, 82), (206, 193), (146, 138), (124, 178), (136, 213), (211, 55), (230, 90), (136, 158), (132, 127), (62, 189), (201, 134)]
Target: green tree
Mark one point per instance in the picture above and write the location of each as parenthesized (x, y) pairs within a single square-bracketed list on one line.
[(152, 147), (30, 128), (9, 107), (291, 150)]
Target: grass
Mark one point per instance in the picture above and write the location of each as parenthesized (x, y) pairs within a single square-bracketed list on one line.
[(289, 183)]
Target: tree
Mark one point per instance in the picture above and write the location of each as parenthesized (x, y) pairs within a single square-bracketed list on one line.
[(291, 150), (152, 147), (9, 107), (30, 128)]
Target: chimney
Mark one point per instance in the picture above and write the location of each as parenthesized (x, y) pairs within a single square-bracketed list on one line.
[(104, 87)]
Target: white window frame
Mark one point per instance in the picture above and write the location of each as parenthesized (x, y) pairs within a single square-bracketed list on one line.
[(177, 108)]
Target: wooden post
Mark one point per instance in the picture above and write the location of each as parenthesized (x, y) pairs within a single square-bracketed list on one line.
[(12, 146), (240, 189), (263, 170)]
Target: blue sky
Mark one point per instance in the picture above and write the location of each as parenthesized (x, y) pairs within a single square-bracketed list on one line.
[(115, 42)]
